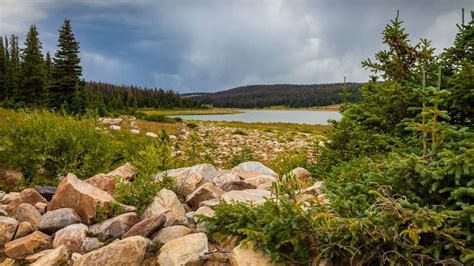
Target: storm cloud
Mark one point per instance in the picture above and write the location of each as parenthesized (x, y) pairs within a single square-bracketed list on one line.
[(215, 45)]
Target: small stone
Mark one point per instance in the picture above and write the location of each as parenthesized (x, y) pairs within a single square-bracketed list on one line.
[(52, 221)]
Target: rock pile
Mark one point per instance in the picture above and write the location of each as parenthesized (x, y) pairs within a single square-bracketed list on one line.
[(65, 225)]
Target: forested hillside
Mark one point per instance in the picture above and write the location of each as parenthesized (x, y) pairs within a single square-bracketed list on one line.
[(258, 96)]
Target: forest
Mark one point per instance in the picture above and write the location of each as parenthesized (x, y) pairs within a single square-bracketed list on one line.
[(290, 95), (30, 79)]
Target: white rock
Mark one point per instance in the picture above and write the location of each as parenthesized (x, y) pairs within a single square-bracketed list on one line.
[(114, 127), (151, 134), (256, 196)]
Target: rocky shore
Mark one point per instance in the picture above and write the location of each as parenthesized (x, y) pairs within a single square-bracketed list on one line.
[(80, 223)]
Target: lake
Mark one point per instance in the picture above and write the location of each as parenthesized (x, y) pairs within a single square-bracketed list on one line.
[(271, 116)]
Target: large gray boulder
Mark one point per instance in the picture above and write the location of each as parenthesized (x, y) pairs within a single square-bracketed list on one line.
[(8, 227), (251, 169), (71, 237), (114, 227), (166, 200), (52, 221)]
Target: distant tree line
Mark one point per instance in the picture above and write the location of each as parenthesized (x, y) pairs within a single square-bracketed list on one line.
[(258, 96), (29, 79), (108, 97)]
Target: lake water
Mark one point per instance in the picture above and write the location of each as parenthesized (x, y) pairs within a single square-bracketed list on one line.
[(269, 116)]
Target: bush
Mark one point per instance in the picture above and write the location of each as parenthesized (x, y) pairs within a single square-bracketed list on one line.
[(161, 118), (154, 158), (41, 143), (391, 231), (289, 160)]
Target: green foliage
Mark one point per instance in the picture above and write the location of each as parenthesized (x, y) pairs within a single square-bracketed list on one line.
[(289, 160), (159, 118), (246, 154), (154, 158), (391, 231), (46, 144)]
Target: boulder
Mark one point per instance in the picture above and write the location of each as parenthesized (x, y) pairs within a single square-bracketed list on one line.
[(206, 211), (8, 228), (209, 203), (244, 255), (237, 185), (114, 227), (206, 191), (166, 200), (103, 181), (135, 131), (124, 172), (57, 256), (27, 213), (47, 192), (24, 228), (147, 227), (315, 189), (128, 251), (256, 196), (167, 234), (11, 201), (114, 127), (71, 237), (111, 121), (80, 196), (27, 245), (52, 221), (9, 262), (302, 176), (189, 178), (11, 177), (31, 196), (225, 178), (252, 169), (261, 181), (185, 250), (89, 244), (34, 257)]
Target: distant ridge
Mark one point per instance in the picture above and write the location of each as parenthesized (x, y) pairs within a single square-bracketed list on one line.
[(291, 95)]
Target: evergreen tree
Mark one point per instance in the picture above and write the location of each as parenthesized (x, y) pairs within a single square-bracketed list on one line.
[(3, 62), (13, 67), (32, 90), (67, 71), (49, 66)]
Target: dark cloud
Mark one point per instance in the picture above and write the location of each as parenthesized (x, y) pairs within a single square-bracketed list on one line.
[(215, 45)]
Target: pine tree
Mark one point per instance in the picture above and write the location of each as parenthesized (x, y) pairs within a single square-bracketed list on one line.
[(49, 67), (32, 90), (3, 62), (13, 67), (67, 71)]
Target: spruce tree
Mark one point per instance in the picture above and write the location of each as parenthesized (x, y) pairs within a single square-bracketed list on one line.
[(3, 62), (13, 67), (32, 90), (67, 71), (49, 67)]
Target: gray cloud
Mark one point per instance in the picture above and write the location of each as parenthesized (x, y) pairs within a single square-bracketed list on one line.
[(214, 45)]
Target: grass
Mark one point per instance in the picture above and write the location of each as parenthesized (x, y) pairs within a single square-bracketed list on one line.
[(333, 107), (287, 127)]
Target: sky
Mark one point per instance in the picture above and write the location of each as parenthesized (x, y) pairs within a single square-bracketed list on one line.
[(213, 45)]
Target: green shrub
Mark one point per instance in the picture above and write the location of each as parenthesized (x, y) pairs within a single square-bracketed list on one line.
[(289, 160), (391, 231), (239, 132), (154, 158), (41, 143), (245, 154), (161, 118)]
